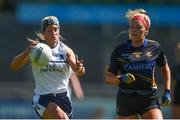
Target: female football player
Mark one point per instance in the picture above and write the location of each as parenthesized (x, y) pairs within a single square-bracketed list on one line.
[(51, 81), (132, 68)]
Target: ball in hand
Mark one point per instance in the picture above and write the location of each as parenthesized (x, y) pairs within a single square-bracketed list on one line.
[(40, 55)]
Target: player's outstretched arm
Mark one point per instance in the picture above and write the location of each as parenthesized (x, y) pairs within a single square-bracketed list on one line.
[(23, 58), (19, 61)]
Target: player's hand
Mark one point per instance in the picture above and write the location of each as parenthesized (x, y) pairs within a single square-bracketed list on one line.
[(79, 66), (166, 98), (127, 78), (32, 44)]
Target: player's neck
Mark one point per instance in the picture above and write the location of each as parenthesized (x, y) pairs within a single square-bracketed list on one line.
[(52, 44), (137, 43)]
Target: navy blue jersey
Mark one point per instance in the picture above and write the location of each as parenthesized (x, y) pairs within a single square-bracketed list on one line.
[(139, 61)]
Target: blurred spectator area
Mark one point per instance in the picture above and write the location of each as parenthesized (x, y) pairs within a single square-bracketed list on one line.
[(9, 5)]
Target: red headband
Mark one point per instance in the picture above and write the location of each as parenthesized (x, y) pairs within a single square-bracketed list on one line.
[(143, 20)]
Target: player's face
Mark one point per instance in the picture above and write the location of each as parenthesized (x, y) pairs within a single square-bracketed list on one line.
[(137, 30), (51, 33)]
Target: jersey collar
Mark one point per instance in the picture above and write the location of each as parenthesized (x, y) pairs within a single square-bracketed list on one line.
[(143, 46)]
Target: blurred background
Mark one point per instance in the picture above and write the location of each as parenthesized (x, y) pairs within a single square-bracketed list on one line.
[(89, 27)]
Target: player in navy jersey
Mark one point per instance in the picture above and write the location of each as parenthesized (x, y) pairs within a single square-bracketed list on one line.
[(51, 81), (132, 68)]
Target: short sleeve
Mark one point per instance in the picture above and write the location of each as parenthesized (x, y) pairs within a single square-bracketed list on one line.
[(114, 66)]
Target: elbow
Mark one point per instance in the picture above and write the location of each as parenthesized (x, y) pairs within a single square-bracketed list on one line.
[(13, 67), (112, 80), (107, 81), (166, 69)]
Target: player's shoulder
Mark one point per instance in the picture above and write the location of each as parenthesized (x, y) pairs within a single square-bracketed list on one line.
[(153, 42), (123, 44), (120, 48), (67, 49)]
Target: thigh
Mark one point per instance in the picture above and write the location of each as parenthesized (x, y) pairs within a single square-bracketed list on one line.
[(148, 104), (135, 116), (150, 108), (53, 111), (154, 113), (65, 104), (43, 106), (176, 111)]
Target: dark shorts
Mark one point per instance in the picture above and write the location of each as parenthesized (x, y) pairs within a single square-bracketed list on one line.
[(135, 103), (177, 94), (40, 102)]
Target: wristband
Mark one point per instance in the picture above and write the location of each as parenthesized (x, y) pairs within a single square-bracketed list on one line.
[(121, 77), (167, 91)]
